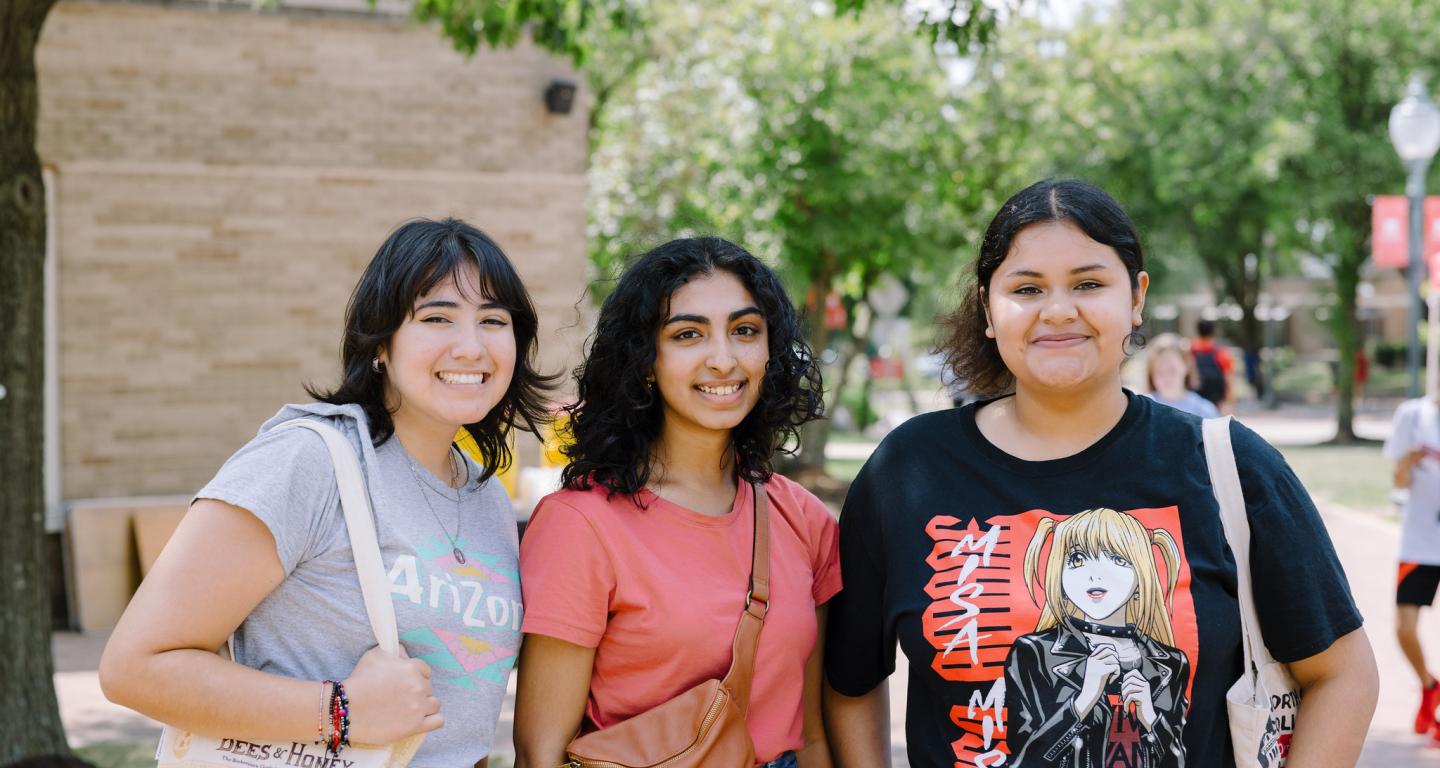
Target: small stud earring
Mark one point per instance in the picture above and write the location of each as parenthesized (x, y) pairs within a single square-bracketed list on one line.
[(989, 332), (375, 364)]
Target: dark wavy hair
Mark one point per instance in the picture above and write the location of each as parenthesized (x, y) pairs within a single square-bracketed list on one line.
[(973, 357), (618, 417), (412, 261)]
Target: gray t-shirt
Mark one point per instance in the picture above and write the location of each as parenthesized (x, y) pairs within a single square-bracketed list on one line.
[(463, 619)]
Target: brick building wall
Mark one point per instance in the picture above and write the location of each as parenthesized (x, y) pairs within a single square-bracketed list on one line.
[(220, 178)]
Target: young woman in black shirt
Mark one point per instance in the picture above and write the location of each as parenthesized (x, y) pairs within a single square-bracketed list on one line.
[(1052, 561)]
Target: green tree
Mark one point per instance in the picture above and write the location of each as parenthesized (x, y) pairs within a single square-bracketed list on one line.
[(1238, 134), (1348, 71), (29, 721), (1182, 115), (826, 144)]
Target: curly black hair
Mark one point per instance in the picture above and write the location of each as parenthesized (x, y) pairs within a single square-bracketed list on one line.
[(618, 416), (411, 261)]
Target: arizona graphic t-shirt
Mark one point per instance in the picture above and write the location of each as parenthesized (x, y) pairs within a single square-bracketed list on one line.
[(457, 603), (1074, 612)]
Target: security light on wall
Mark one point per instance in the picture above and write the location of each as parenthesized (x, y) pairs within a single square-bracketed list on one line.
[(560, 97)]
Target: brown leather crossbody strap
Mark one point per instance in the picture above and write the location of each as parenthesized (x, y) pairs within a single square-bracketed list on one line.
[(757, 603)]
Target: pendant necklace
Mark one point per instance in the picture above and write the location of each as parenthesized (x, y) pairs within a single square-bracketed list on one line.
[(454, 475)]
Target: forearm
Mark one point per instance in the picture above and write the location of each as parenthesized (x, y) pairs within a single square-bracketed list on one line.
[(540, 753), (858, 727), (202, 692), (815, 754)]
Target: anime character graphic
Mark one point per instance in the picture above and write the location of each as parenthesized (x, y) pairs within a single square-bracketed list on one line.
[(1099, 683)]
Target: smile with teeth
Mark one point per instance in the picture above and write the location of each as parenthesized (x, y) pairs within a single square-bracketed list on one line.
[(1097, 593), (728, 389), (463, 378)]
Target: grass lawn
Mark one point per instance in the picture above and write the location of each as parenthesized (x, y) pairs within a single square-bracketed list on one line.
[(119, 754), (1355, 476), (843, 469)]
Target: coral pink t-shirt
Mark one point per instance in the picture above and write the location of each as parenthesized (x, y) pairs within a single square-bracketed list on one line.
[(657, 592)]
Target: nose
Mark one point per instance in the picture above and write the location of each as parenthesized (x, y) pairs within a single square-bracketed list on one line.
[(721, 358), (469, 343), (1060, 309)]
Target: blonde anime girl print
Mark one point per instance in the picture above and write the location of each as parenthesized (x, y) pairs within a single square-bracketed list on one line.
[(1099, 682)]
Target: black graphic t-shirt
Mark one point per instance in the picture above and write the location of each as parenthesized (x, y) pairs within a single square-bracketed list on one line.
[(1074, 612)]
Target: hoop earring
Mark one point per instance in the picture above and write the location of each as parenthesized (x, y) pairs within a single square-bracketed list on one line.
[(375, 364), (1133, 342)]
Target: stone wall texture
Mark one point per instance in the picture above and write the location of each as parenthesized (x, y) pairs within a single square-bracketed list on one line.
[(221, 178)]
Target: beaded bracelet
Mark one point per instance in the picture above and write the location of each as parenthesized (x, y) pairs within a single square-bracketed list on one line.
[(339, 718), (320, 727)]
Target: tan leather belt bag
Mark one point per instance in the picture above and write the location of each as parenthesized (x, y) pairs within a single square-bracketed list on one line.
[(704, 726)]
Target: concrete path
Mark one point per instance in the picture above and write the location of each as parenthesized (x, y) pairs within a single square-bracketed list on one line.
[(1367, 547)]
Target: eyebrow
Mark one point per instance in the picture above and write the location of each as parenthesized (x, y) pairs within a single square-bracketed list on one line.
[(1097, 267), (700, 320), (446, 304)]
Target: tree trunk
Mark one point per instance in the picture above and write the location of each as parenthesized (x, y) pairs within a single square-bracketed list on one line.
[(1345, 322), (29, 717), (815, 435)]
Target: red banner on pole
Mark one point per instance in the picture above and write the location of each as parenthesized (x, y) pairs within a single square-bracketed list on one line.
[(1432, 240), (1390, 233)]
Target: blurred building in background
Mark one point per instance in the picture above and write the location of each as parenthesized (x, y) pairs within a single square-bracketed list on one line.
[(217, 178)]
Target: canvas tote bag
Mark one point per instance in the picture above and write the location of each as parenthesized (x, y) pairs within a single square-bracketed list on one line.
[(185, 749), (703, 727), (1263, 703)]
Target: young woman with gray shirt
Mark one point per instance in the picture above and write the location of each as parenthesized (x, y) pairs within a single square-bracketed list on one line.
[(440, 335)]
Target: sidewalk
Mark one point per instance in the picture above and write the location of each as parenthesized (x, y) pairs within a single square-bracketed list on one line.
[(1367, 548)]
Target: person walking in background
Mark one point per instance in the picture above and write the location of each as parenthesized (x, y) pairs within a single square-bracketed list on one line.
[(1171, 374), (1213, 365), (1052, 560), (635, 573), (1414, 446), (440, 335)]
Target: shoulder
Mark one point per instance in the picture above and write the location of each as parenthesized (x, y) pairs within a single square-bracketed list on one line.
[(1409, 411), (1033, 645), (293, 440), (920, 434), (793, 496), (1253, 452), (284, 456), (592, 505), (803, 511), (1201, 406), (1167, 422)]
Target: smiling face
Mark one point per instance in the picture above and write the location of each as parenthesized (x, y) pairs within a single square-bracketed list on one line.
[(451, 360), (1100, 585), (710, 354), (1060, 307), (1168, 372)]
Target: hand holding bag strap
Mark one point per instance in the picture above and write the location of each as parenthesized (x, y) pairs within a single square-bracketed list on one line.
[(1225, 480), (360, 523), (757, 603)]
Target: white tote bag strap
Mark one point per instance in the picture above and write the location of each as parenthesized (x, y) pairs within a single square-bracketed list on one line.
[(1225, 480), (360, 522)]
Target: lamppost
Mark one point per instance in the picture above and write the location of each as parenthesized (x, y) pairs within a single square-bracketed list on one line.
[(1415, 132)]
